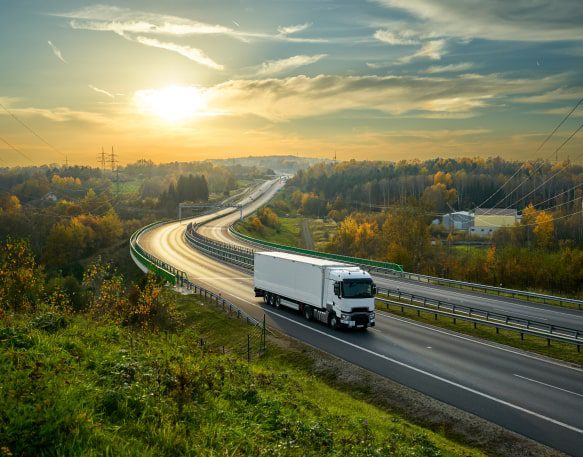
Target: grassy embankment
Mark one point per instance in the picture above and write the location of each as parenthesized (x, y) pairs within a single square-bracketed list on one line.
[(81, 387), (290, 231)]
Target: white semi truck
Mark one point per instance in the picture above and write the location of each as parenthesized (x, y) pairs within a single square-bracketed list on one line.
[(337, 294)]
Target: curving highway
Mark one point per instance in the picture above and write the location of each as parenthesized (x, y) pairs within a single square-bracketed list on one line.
[(536, 397)]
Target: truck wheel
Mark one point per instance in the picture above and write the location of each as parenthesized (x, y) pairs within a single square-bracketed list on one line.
[(333, 322), (269, 299), (308, 313), (277, 301)]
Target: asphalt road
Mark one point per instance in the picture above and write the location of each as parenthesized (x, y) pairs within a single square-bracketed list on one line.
[(548, 314), (536, 397)]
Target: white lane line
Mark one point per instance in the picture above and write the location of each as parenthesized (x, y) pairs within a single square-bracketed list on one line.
[(548, 385), (419, 370), (434, 376), (473, 340)]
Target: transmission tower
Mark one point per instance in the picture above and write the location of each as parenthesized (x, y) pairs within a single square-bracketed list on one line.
[(101, 159)]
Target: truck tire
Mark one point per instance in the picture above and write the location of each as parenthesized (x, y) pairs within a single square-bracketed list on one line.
[(269, 299), (308, 312), (333, 322), (277, 301)]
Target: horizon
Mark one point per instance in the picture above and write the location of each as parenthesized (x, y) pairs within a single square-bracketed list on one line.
[(383, 80)]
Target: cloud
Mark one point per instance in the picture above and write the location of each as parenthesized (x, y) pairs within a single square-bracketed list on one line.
[(105, 18), (556, 95), (101, 91), (272, 67), (60, 114), (293, 29), (451, 68), (432, 50), (57, 52), (389, 37), (194, 54), (408, 95), (516, 20)]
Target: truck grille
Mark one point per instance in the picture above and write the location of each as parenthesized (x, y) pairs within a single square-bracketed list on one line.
[(361, 319), (360, 310)]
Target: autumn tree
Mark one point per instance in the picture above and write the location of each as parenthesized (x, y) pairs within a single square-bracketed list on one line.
[(21, 279), (544, 230)]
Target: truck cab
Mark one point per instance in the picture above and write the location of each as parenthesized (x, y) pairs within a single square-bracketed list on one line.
[(350, 297)]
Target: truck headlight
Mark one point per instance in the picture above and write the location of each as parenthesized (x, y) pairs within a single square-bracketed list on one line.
[(371, 316), (345, 317)]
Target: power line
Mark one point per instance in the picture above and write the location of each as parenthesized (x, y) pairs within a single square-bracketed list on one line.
[(31, 130), (553, 175), (555, 152), (17, 150)]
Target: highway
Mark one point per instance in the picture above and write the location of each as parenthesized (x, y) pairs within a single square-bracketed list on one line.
[(548, 314), (536, 397)]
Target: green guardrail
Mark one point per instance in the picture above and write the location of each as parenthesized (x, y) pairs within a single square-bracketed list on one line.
[(324, 255), (156, 266)]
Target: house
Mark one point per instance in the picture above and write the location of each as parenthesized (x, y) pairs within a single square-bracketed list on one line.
[(459, 220), (488, 220)]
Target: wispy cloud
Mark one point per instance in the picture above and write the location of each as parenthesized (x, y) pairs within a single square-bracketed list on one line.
[(436, 97), (290, 29), (194, 54), (101, 91), (106, 18), (273, 67), (60, 114), (559, 94), (432, 50), (57, 52), (395, 39), (451, 68), (522, 20)]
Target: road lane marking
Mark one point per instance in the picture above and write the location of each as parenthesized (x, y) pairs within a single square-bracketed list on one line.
[(477, 341), (419, 370), (548, 385), (434, 376)]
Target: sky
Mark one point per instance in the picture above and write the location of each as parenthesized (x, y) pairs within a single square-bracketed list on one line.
[(379, 79)]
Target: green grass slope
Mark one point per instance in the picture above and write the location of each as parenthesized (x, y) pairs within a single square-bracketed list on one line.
[(73, 386)]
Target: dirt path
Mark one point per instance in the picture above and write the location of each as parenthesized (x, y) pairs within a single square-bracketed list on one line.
[(307, 235)]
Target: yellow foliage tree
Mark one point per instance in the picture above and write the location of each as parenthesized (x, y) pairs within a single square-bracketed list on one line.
[(544, 230)]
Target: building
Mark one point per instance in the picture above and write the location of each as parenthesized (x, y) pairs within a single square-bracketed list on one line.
[(460, 220), (488, 220)]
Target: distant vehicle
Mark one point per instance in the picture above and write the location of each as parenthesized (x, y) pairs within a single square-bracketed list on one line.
[(337, 294)]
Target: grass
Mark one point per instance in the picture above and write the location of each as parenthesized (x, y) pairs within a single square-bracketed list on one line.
[(289, 232), (322, 231), (557, 350), (93, 388)]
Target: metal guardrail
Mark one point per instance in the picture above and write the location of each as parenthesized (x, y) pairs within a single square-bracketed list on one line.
[(232, 254), (244, 257), (523, 330), (500, 320), (374, 266), (367, 263), (179, 278)]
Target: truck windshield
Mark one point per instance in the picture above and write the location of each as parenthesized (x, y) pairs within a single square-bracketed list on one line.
[(357, 288)]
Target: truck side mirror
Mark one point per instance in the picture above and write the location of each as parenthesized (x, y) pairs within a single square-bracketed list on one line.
[(337, 289), (374, 289)]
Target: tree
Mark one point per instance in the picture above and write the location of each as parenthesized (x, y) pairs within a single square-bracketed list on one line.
[(21, 279), (544, 230)]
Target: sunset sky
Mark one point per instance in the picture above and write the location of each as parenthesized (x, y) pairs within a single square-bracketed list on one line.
[(382, 79)]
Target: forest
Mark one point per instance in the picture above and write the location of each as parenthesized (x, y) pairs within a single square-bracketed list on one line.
[(389, 211)]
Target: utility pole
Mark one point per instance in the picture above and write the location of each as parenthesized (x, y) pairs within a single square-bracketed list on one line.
[(112, 159)]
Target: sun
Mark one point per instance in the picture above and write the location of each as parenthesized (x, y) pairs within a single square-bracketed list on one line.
[(173, 104)]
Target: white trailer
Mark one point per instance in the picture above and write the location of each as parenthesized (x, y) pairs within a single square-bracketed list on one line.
[(334, 293)]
